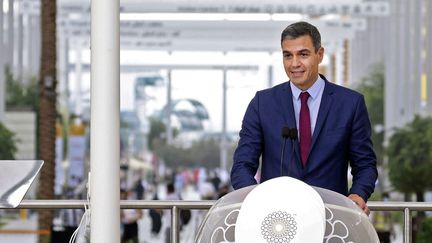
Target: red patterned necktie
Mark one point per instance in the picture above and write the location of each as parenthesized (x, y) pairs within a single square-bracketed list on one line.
[(305, 128)]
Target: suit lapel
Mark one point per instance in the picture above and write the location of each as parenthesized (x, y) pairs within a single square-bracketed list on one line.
[(287, 108), (285, 100), (324, 108)]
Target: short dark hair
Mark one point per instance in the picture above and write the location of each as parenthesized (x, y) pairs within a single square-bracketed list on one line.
[(298, 29)]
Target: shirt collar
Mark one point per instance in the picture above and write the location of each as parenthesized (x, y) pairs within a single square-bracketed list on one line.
[(313, 90)]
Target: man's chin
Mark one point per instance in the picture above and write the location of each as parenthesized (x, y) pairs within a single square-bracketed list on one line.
[(297, 81)]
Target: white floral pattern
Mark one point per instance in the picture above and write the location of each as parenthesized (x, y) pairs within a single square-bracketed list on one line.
[(337, 230), (231, 216), (279, 227)]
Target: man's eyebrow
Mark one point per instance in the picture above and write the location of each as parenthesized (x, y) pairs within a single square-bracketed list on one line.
[(302, 50)]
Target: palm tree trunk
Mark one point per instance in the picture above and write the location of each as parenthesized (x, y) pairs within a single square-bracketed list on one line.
[(47, 109)]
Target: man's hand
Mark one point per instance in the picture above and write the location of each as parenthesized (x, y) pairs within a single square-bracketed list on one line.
[(360, 202)]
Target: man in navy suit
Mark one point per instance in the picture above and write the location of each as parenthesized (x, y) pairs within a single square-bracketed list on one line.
[(333, 124)]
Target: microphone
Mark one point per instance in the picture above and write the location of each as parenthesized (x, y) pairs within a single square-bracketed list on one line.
[(286, 133), (293, 136)]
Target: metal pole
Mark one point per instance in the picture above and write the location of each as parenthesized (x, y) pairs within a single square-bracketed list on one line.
[(270, 71), (176, 205), (169, 131), (124, 204), (223, 145), (407, 225), (105, 121), (204, 204), (2, 59), (175, 236), (270, 75)]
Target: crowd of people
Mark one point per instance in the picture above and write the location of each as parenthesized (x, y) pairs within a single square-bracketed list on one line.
[(184, 184)]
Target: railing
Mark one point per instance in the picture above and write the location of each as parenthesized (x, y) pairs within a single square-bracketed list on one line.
[(175, 206), (406, 207)]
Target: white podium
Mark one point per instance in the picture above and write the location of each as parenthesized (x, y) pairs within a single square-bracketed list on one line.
[(285, 210)]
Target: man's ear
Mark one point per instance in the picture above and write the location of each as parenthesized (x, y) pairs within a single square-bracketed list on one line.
[(321, 54)]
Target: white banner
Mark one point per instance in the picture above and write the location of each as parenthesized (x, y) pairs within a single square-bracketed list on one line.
[(211, 35), (343, 7)]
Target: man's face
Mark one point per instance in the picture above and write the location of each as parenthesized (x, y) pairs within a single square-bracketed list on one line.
[(301, 61)]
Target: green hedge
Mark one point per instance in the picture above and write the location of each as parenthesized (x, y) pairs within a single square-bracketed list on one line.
[(7, 144)]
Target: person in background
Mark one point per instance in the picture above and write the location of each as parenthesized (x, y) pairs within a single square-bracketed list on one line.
[(156, 218), (223, 190), (139, 189), (331, 123), (129, 219)]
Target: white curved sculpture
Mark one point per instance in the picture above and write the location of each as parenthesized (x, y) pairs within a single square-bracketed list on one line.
[(285, 210), (16, 176)]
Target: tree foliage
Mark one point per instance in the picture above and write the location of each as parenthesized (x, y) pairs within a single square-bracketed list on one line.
[(157, 129), (372, 87), (410, 157), (21, 95), (7, 144), (202, 153), (425, 235), (205, 152)]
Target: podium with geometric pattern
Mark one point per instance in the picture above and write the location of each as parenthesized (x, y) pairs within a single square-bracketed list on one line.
[(277, 217)]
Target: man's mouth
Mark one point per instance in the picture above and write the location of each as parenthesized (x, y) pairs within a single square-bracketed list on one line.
[(297, 73)]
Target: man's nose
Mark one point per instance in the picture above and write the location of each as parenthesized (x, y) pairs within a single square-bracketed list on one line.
[(295, 61)]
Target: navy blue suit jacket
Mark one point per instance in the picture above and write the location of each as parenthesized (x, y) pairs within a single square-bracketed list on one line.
[(341, 137)]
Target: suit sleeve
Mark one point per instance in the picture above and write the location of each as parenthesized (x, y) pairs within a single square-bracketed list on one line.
[(249, 149), (362, 155)]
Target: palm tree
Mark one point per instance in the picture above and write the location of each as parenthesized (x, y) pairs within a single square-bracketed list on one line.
[(47, 109)]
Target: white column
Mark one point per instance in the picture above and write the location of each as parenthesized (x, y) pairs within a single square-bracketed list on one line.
[(10, 35), (339, 63), (105, 121), (20, 42), (26, 44), (34, 44), (78, 79), (63, 63)]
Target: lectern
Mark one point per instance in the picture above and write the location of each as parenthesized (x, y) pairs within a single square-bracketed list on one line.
[(285, 210)]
